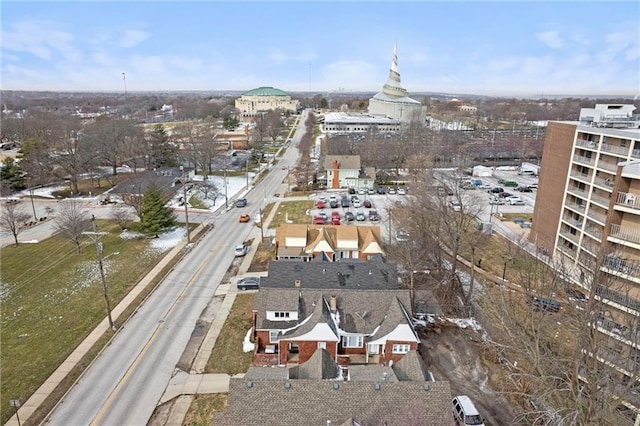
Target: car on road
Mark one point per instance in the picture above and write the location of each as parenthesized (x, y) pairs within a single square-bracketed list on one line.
[(244, 218), (349, 217), (360, 216), (367, 204), (241, 249), (524, 189), (248, 283), (373, 216), (241, 202)]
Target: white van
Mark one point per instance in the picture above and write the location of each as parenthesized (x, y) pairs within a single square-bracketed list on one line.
[(527, 172), (465, 413)]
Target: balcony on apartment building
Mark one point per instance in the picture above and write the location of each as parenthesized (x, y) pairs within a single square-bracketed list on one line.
[(629, 362), (593, 214), (567, 235), (583, 143), (622, 332), (601, 200), (584, 177), (629, 303), (581, 159), (622, 151), (609, 165), (625, 234), (578, 192), (580, 208), (630, 200), (603, 183), (623, 268)]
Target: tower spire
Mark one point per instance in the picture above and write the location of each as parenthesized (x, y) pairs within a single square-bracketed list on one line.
[(393, 87)]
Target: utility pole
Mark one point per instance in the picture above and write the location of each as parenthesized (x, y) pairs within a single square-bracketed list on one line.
[(96, 238), (33, 205), (226, 195), (124, 80), (184, 198), (247, 170)]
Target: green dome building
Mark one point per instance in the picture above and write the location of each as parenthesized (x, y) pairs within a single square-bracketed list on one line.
[(263, 99)]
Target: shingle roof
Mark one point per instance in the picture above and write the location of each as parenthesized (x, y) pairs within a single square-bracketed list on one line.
[(411, 367), (395, 315), (339, 238), (315, 402), (350, 162), (166, 179), (346, 274), (319, 367)]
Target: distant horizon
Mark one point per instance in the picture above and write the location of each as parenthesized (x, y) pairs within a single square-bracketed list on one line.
[(488, 48)]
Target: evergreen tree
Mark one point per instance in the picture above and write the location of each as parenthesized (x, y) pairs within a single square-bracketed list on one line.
[(163, 153), (155, 216), (11, 176)]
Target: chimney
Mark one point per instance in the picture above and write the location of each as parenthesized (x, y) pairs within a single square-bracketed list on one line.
[(297, 284), (333, 303)]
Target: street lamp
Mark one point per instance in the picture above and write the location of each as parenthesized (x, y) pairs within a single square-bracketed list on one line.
[(184, 199), (15, 404)]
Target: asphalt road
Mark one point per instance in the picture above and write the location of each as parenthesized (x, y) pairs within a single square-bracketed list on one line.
[(126, 381)]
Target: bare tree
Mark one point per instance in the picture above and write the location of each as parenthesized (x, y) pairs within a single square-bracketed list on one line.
[(121, 213), (72, 221), (575, 366), (12, 220)]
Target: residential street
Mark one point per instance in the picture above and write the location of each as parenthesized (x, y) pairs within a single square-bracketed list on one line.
[(125, 383)]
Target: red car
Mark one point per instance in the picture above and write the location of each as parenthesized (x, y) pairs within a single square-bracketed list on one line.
[(320, 204), (335, 218), (244, 218), (318, 220), (367, 204)]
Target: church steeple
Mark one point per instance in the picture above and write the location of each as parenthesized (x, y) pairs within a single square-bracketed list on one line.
[(393, 87)]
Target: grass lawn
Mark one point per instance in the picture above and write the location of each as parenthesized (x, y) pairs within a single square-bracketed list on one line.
[(52, 299), (294, 211), (203, 407), (227, 356)]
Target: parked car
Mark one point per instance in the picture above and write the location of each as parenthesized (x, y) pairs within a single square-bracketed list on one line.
[(543, 304), (370, 191), (524, 189), (367, 204), (505, 194), (248, 283), (496, 190), (333, 204), (320, 204), (356, 203), (373, 216), (241, 202), (510, 183), (324, 216), (244, 218), (402, 235), (335, 220), (242, 249), (455, 205), (361, 191), (349, 217), (381, 190), (344, 202), (496, 201), (360, 216), (391, 190), (402, 191), (533, 186), (352, 191), (318, 220), (465, 413), (515, 201)]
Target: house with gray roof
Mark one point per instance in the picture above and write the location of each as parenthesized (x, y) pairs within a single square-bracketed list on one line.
[(318, 393), (345, 171), (168, 179)]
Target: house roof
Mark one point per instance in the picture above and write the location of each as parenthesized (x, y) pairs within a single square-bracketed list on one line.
[(327, 238), (167, 179), (411, 367), (359, 311), (316, 402), (345, 162), (319, 367), (354, 274)]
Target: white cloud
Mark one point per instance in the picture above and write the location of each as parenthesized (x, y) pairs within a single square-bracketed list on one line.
[(40, 39), (551, 39), (131, 38)]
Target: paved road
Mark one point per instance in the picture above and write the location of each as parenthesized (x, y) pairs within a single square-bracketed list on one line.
[(125, 383)]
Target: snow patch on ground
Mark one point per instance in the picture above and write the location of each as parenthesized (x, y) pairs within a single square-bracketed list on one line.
[(169, 240), (247, 345)]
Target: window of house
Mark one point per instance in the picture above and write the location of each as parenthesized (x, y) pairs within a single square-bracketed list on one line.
[(374, 349), (322, 345), (273, 336), (352, 341), (281, 314), (400, 349)]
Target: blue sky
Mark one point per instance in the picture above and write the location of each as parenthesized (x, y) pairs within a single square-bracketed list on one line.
[(495, 48)]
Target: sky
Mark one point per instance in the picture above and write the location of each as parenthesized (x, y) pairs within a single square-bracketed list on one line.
[(533, 48)]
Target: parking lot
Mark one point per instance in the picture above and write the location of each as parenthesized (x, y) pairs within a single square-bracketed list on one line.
[(380, 203)]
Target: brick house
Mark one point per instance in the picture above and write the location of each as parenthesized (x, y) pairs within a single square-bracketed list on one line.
[(354, 310), (305, 242), (317, 392)]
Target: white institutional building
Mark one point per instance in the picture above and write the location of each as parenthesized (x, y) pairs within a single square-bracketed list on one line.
[(393, 101), (264, 99)]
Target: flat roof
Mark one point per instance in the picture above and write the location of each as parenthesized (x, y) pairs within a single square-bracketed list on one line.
[(344, 118)]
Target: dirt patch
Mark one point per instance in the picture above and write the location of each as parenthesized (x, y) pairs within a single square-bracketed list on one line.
[(456, 355)]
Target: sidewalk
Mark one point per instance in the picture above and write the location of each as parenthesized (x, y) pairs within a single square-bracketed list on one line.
[(185, 385)]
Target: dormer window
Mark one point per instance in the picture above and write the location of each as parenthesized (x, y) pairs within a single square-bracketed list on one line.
[(282, 314)]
